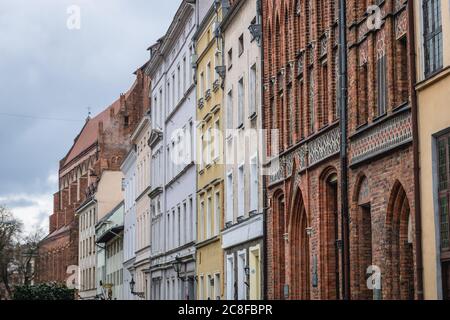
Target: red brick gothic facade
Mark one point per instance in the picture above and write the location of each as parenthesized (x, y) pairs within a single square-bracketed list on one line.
[(101, 145), (304, 236)]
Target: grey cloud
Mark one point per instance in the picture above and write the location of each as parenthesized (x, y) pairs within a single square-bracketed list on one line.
[(49, 71)]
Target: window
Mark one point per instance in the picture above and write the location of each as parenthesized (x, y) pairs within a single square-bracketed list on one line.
[(443, 149), (381, 86), (202, 84), (363, 102), (311, 101), (209, 218), (241, 44), (230, 278), (241, 275), (201, 230), (217, 291), (208, 76), (253, 90), (230, 58), (230, 198), (184, 74), (254, 184), (208, 146), (217, 135), (230, 109), (202, 148), (178, 83), (210, 286), (202, 288), (241, 102), (216, 213), (241, 191), (324, 93), (291, 116), (432, 22), (402, 94)]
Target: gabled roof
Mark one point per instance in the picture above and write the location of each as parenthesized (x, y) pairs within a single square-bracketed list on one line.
[(89, 133)]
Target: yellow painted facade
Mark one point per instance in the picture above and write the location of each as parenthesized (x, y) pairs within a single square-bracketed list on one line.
[(210, 169), (433, 97)]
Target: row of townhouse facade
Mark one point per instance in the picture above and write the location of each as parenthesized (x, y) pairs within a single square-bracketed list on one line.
[(287, 150)]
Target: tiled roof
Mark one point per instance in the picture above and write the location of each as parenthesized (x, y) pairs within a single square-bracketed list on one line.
[(89, 133)]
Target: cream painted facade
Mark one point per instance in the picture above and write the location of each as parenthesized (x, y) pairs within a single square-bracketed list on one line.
[(433, 96), (242, 236), (139, 140), (103, 198), (210, 170), (109, 239)]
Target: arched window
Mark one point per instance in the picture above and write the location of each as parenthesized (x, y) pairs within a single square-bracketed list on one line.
[(329, 236), (365, 239), (299, 251), (400, 262)]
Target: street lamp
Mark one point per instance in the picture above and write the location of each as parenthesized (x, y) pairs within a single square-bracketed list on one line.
[(177, 264), (139, 294)]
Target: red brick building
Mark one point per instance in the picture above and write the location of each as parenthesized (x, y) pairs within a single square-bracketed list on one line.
[(101, 145), (305, 252)]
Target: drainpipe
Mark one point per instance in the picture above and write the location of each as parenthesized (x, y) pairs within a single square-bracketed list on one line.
[(415, 126), (343, 152), (259, 15)]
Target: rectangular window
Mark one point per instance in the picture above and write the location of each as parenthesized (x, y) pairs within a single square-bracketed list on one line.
[(209, 218), (201, 219), (202, 84), (254, 184), (324, 93), (217, 135), (363, 101), (208, 76), (253, 90), (208, 146), (230, 58), (230, 198), (184, 75), (230, 110), (241, 44), (381, 86), (217, 286), (432, 36), (217, 207), (241, 102), (312, 116), (241, 191), (443, 149), (230, 277), (202, 288), (241, 275)]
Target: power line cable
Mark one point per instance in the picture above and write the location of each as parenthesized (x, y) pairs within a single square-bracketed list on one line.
[(37, 117)]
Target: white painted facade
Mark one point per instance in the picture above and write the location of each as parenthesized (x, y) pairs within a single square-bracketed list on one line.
[(129, 239), (173, 184), (243, 234)]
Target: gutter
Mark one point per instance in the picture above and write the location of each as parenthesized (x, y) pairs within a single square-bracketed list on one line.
[(416, 143), (345, 224), (259, 15)]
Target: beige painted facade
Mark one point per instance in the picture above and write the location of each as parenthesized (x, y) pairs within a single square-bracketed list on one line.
[(210, 171), (433, 95), (142, 263), (243, 233), (107, 195)]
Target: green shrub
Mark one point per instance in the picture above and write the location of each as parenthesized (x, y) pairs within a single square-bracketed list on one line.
[(44, 291)]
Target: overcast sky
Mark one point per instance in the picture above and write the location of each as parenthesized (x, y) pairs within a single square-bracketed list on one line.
[(50, 75)]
